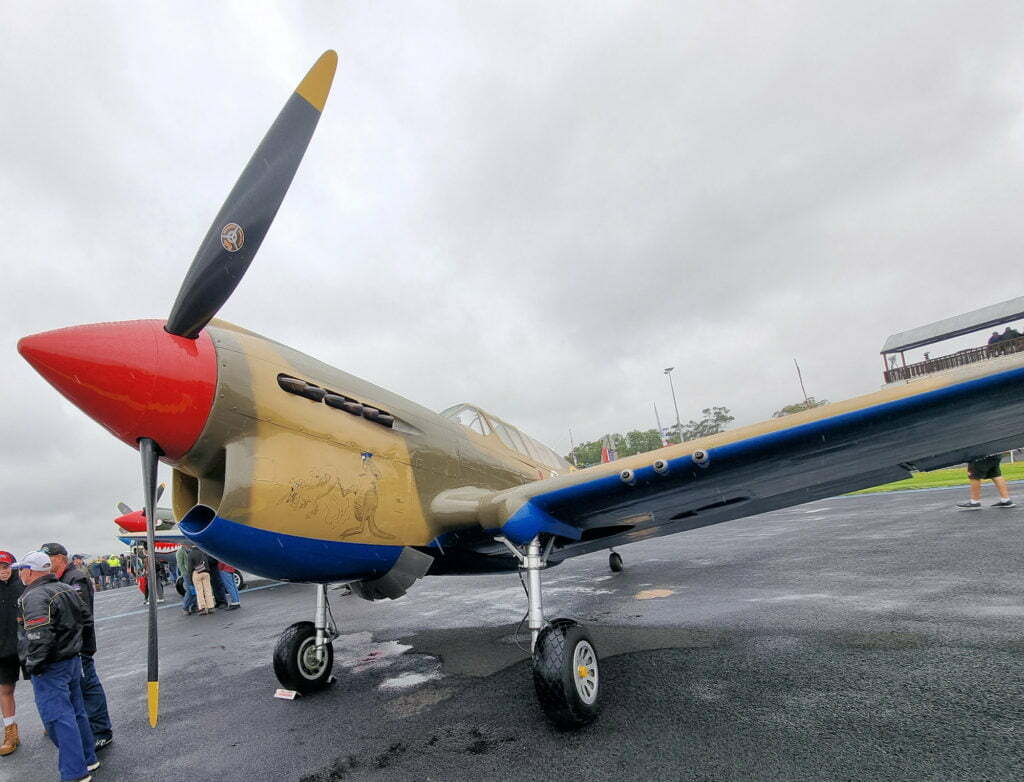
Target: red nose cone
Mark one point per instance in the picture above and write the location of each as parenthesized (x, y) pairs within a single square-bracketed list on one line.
[(133, 378), (132, 522)]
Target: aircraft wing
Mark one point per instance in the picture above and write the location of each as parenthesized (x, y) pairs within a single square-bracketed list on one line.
[(880, 437)]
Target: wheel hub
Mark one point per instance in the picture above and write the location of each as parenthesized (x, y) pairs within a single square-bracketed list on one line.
[(311, 665), (585, 664)]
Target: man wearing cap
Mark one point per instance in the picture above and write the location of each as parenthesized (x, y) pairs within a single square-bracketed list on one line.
[(49, 641), (10, 591), (92, 689)]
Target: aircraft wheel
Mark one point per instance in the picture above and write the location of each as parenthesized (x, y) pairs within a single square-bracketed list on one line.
[(239, 581), (179, 585), (615, 562), (295, 662), (565, 674)]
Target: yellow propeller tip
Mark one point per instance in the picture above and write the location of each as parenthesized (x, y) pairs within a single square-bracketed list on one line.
[(153, 696), (317, 84)]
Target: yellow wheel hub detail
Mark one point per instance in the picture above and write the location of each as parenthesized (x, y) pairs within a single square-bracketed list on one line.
[(582, 671)]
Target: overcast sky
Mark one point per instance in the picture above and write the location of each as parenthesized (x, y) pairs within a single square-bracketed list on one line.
[(532, 206)]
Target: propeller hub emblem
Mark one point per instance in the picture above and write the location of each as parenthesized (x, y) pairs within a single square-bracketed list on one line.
[(232, 237)]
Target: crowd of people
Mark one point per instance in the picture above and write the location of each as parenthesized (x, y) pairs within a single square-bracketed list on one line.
[(1006, 335), (112, 571), (47, 632), (209, 583), (48, 636)]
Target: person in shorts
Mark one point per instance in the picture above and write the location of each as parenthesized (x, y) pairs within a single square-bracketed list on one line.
[(986, 468), (10, 666)]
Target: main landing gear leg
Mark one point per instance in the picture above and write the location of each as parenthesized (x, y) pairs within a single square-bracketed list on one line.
[(304, 656), (565, 674)]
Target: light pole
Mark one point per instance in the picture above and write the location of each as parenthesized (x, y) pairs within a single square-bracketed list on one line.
[(679, 426)]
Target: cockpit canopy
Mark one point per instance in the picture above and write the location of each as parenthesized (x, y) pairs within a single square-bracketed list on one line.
[(484, 423)]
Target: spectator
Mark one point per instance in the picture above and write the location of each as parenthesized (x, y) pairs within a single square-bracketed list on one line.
[(144, 584), (1009, 335), (93, 694), (116, 571), (105, 572), (981, 469), (201, 580), (49, 643), (97, 574), (188, 600), (227, 575), (10, 591), (220, 594)]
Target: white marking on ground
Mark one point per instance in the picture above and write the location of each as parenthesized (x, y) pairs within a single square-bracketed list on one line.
[(792, 597), (816, 510), (406, 680)]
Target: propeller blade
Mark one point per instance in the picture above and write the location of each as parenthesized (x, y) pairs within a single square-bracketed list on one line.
[(150, 452), (124, 508), (159, 492), (244, 219)]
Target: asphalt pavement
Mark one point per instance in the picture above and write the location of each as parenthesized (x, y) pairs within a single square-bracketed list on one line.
[(870, 637)]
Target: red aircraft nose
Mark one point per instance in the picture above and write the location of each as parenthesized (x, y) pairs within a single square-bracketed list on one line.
[(133, 378), (132, 522)]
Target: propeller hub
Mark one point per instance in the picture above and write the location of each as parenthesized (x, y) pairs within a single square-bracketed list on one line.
[(133, 378)]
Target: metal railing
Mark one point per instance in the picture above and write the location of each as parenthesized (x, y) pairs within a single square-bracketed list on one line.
[(958, 359)]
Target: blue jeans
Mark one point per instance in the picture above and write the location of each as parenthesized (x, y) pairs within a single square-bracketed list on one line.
[(188, 602), (58, 691), (95, 700), (229, 586)]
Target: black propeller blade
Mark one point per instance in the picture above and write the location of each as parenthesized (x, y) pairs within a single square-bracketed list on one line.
[(150, 452), (243, 220), (124, 508)]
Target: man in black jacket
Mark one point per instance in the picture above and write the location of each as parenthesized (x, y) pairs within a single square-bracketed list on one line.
[(92, 689), (10, 667), (49, 642)]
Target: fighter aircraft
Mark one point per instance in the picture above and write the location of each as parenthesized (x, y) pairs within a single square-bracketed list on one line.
[(289, 468), (131, 525)]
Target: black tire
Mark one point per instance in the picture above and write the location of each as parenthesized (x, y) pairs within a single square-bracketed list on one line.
[(615, 562), (568, 700), (179, 585), (239, 580), (294, 662)]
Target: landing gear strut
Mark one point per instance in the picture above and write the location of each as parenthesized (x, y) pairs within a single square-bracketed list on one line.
[(565, 671), (304, 655)]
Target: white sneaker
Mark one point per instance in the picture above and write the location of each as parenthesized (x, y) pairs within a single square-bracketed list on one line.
[(93, 767)]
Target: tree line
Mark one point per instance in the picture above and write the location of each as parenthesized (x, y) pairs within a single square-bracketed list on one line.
[(714, 420)]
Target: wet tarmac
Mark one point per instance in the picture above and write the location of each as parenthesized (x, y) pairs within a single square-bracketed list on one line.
[(869, 637)]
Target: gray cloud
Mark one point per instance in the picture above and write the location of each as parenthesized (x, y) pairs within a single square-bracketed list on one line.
[(534, 207)]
